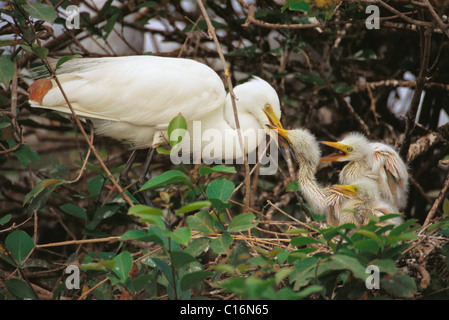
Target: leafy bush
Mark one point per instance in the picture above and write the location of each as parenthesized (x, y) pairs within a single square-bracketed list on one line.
[(197, 242)]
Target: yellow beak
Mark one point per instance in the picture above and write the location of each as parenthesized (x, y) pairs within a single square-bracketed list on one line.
[(336, 156), (280, 137), (272, 118), (346, 189)]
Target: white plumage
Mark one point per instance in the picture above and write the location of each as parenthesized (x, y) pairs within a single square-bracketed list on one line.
[(372, 160), (134, 98)]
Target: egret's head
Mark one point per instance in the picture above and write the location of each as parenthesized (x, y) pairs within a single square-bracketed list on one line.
[(354, 147), (365, 190), (258, 98)]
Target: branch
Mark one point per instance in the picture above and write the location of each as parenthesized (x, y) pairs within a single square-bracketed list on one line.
[(213, 35), (251, 19), (420, 83)]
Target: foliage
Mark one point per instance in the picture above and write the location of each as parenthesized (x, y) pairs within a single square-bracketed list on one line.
[(196, 242)]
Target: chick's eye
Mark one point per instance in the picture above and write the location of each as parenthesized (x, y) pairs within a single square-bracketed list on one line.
[(349, 149), (356, 189)]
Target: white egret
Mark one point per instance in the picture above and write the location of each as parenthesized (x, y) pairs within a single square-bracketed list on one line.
[(372, 160), (134, 98), (363, 201)]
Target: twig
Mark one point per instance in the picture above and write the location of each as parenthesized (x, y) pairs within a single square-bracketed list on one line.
[(70, 242), (420, 83), (251, 19), (86, 137), (437, 203), (437, 19), (213, 35)]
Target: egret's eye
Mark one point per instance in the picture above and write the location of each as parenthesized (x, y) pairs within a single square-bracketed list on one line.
[(267, 107), (349, 149), (356, 189)]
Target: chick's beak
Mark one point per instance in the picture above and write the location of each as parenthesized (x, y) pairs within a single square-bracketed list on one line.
[(280, 137), (348, 190), (336, 156)]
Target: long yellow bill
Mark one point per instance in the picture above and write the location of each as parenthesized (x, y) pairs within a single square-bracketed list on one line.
[(344, 151), (346, 189)]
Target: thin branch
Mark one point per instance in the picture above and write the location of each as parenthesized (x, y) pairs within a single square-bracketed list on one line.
[(437, 203), (251, 19), (213, 35), (420, 83)]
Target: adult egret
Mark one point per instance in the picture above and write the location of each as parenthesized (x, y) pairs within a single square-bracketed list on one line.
[(363, 200), (134, 98), (373, 160)]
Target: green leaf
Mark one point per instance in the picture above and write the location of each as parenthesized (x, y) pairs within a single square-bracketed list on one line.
[(20, 288), (349, 263), (180, 259), (221, 244), (220, 189), (202, 222), (139, 235), (216, 169), (181, 235), (64, 59), (292, 187), (400, 285), (367, 245), (302, 6), (147, 4), (165, 269), (7, 70), (19, 244), (193, 206), (95, 185), (386, 265), (25, 155), (197, 246), (446, 207), (5, 219), (148, 214), (369, 234), (302, 241), (242, 222), (177, 129), (41, 11), (191, 279), (166, 178), (109, 26), (40, 186), (123, 265), (74, 210)]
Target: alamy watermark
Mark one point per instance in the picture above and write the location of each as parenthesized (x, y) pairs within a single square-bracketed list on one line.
[(73, 17), (373, 280), (373, 20), (73, 280)]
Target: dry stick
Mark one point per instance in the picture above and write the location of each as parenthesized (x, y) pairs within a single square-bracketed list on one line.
[(440, 23), (400, 14), (251, 19), (420, 83), (211, 31), (436, 204), (70, 242), (86, 137)]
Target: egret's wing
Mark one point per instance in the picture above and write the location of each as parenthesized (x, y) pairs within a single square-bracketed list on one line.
[(141, 90), (393, 173)]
